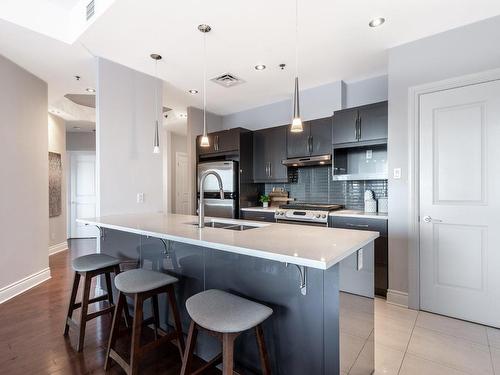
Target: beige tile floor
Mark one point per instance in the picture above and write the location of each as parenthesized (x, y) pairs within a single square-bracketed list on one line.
[(408, 342)]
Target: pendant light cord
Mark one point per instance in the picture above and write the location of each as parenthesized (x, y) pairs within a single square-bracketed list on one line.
[(205, 84), (296, 38), (156, 92)]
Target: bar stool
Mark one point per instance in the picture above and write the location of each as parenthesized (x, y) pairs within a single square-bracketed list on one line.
[(141, 284), (224, 316), (89, 266)]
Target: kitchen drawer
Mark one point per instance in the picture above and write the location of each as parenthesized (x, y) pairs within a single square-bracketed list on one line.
[(376, 225), (257, 216)]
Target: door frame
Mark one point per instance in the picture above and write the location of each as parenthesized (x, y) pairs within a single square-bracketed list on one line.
[(414, 94), (70, 155), (177, 154)]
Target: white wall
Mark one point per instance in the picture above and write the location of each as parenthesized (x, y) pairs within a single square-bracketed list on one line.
[(57, 144), (124, 140), (24, 198), (469, 49), (366, 91), (195, 128), (81, 141), (315, 103)]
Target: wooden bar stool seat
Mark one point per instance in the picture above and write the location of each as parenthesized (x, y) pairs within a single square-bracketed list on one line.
[(141, 284), (224, 316), (88, 267)]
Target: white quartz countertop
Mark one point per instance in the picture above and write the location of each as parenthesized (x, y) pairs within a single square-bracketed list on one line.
[(317, 247)]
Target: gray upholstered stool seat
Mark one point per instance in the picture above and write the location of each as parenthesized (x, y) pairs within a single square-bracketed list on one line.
[(223, 312), (94, 262), (141, 280)]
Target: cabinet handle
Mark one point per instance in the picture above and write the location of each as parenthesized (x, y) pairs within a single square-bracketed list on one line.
[(216, 143), (356, 128), (310, 144), (270, 170), (357, 225), (359, 128)]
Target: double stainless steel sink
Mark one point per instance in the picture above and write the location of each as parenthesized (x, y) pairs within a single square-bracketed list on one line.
[(230, 226)]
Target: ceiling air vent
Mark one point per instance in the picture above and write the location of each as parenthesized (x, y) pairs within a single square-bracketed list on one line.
[(90, 9), (227, 80)]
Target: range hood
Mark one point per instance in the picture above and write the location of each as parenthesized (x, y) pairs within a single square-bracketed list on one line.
[(308, 161)]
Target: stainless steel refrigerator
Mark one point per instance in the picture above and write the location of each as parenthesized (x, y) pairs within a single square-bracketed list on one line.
[(214, 206)]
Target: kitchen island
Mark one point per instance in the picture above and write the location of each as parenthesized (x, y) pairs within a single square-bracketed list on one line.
[(318, 281)]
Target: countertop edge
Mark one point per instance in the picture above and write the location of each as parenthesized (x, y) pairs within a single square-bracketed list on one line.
[(322, 265)]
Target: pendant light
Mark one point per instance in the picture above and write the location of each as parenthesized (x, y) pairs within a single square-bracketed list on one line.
[(156, 142), (204, 142), (296, 121)]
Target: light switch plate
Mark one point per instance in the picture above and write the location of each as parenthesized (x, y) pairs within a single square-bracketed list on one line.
[(397, 173), (140, 197), (369, 154)]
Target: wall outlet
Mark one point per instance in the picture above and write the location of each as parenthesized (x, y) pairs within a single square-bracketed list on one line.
[(369, 154), (140, 197), (397, 173)]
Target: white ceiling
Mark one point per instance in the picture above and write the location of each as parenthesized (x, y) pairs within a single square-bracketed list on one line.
[(335, 43)]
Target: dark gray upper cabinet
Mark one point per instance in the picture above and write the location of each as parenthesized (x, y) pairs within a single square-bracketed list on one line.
[(362, 124), (321, 136), (298, 143), (221, 141), (269, 149), (345, 126), (315, 139), (373, 122)]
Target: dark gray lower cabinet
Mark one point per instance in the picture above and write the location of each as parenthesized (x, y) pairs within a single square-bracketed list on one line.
[(257, 216), (381, 245)]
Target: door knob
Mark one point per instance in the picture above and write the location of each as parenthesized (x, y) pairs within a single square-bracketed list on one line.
[(429, 219)]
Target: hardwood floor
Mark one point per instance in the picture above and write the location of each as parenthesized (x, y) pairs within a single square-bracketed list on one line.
[(32, 324)]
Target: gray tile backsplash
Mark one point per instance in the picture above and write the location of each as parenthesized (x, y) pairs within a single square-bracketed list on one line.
[(314, 185)]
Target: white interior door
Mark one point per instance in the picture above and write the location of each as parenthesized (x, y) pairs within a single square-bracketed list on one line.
[(83, 193), (181, 183), (460, 201)]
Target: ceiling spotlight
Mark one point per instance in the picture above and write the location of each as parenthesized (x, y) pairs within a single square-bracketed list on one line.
[(260, 67), (183, 115), (282, 66), (90, 89), (77, 78), (376, 22), (193, 91)]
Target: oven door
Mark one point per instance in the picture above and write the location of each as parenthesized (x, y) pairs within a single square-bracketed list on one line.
[(297, 222)]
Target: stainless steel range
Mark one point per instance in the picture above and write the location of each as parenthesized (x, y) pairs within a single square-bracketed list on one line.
[(305, 213)]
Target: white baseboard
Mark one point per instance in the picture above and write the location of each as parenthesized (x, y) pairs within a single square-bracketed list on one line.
[(58, 247), (21, 286), (395, 297)]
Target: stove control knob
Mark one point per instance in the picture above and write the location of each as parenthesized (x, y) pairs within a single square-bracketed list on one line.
[(318, 216), (323, 216)]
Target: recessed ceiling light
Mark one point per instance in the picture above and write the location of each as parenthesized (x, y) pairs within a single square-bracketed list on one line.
[(90, 89), (376, 22), (260, 67), (193, 91), (183, 115)]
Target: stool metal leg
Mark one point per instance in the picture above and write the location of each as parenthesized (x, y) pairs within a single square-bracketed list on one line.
[(85, 306), (264, 358), (72, 300)]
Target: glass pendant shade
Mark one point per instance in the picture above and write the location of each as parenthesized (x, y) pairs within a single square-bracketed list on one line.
[(204, 141), (296, 122), (156, 143)]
